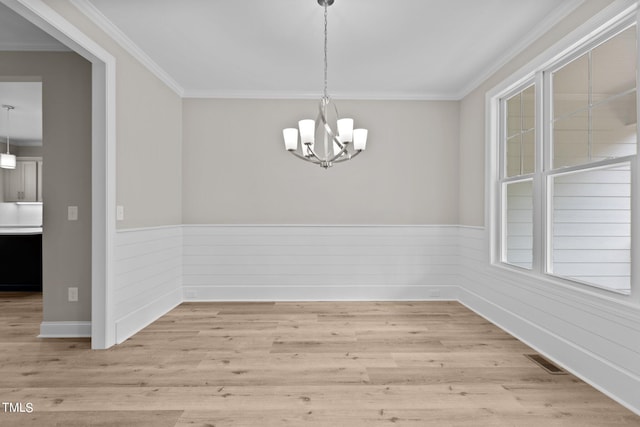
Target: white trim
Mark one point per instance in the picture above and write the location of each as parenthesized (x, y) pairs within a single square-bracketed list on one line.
[(92, 12), (454, 226), (319, 293), (601, 374), (65, 330), (370, 96), (541, 28), (103, 158), (144, 316)]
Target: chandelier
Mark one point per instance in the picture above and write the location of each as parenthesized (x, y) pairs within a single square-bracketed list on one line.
[(7, 160), (336, 147)]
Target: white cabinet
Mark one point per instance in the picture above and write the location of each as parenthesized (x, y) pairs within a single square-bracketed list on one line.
[(39, 184), (24, 183)]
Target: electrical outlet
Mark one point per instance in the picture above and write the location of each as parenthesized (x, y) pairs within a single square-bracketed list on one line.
[(119, 213), (73, 294), (72, 213)]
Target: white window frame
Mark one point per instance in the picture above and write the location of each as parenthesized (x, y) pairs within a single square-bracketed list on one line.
[(608, 23)]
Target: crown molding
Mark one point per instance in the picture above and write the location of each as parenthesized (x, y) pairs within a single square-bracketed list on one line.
[(381, 96), (91, 12), (542, 28)]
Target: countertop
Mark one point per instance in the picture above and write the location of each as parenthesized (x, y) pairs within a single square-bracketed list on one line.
[(20, 229)]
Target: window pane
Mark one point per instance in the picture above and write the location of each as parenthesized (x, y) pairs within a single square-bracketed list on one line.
[(614, 128), (614, 65), (514, 146), (528, 152), (518, 241), (571, 87), (514, 117), (591, 236), (520, 130), (528, 109), (571, 140)]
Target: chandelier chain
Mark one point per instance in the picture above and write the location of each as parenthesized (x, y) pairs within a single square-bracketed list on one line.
[(325, 49), (8, 108)]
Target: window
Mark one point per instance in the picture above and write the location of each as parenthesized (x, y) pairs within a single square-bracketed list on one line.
[(568, 144)]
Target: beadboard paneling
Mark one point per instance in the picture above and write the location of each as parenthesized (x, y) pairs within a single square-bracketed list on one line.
[(319, 262), (148, 268), (595, 337)]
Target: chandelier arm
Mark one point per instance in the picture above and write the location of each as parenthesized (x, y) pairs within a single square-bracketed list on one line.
[(343, 150), (349, 157), (304, 158), (314, 155)]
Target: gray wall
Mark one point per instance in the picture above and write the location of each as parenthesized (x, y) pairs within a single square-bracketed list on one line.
[(236, 170), (66, 105), (148, 133)]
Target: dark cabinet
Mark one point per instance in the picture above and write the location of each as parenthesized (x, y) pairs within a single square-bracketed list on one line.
[(21, 262)]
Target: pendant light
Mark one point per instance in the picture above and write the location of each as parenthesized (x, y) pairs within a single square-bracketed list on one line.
[(8, 160)]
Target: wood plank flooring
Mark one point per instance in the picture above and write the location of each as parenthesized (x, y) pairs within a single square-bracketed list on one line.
[(291, 364)]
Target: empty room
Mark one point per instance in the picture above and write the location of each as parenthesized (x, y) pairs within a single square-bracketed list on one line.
[(319, 213)]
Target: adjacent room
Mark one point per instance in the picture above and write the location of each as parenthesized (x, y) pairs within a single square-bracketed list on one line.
[(319, 213)]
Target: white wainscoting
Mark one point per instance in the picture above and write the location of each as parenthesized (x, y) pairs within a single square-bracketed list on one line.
[(594, 336), (319, 263), (148, 265)]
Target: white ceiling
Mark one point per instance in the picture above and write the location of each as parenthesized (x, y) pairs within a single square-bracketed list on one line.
[(392, 49)]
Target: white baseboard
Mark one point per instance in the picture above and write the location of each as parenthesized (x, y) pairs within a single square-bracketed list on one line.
[(65, 329), (615, 382), (144, 316), (319, 293)]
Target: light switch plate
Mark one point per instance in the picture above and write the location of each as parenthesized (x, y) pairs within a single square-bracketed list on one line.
[(120, 213), (73, 294), (72, 213)]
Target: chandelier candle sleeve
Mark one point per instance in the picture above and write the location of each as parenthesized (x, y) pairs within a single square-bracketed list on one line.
[(346, 142), (290, 138), (345, 129), (307, 131), (360, 139)]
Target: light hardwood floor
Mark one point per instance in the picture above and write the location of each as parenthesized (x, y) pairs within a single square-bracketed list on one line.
[(291, 364)]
